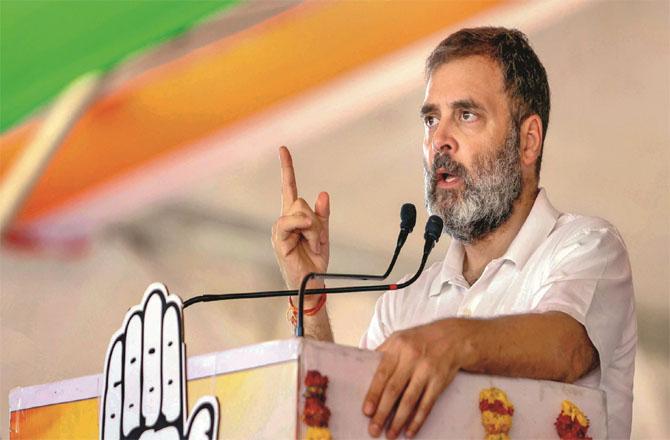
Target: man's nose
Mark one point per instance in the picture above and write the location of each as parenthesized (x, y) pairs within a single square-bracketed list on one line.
[(443, 139)]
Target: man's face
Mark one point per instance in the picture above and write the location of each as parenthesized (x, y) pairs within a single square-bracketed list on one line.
[(470, 147)]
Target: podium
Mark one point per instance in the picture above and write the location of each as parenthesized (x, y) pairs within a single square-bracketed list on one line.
[(261, 393)]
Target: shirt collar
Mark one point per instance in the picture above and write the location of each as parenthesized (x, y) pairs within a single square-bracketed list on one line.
[(452, 268), (536, 228)]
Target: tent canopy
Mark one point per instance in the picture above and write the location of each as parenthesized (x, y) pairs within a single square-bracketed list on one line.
[(46, 44)]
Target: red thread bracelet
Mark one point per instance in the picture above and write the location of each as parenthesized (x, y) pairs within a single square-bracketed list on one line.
[(292, 312)]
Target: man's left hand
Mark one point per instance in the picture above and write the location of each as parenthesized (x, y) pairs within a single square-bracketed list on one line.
[(417, 365)]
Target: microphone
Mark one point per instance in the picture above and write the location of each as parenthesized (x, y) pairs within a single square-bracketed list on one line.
[(433, 231), (407, 222), (434, 228)]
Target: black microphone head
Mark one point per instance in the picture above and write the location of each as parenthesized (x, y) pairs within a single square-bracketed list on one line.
[(407, 217), (434, 227)]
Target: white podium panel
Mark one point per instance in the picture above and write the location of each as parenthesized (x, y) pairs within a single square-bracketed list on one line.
[(261, 393)]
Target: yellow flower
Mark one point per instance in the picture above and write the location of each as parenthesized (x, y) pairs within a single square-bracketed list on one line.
[(570, 409), (493, 394), (316, 433)]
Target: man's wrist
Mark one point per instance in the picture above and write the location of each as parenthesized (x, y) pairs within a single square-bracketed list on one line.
[(469, 351), (309, 309), (310, 300), (460, 335)]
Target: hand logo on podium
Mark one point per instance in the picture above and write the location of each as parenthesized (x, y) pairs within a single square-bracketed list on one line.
[(145, 377)]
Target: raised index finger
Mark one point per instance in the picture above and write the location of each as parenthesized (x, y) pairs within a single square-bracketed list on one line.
[(289, 192)]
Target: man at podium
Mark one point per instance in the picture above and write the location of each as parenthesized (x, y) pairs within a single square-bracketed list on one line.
[(523, 290)]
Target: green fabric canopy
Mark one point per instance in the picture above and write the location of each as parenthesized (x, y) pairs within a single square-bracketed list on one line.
[(46, 44)]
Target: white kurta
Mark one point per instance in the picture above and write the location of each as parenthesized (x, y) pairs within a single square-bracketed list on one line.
[(558, 262)]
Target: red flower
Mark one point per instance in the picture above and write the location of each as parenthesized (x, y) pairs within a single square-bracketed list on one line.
[(315, 379), (316, 413), (569, 429), (497, 407)]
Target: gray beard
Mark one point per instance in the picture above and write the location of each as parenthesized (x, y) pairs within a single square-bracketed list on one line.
[(488, 195)]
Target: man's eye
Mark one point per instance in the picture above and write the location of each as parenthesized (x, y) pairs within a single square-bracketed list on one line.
[(430, 121), (468, 116)]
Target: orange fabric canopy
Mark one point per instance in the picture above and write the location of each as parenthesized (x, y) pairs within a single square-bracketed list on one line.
[(172, 106)]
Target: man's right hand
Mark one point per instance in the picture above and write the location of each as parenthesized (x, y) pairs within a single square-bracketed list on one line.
[(300, 235)]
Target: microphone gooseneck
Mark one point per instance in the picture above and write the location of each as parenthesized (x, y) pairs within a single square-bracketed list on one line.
[(434, 227), (407, 222)]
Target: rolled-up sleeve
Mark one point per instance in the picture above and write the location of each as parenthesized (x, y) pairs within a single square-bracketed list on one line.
[(590, 280)]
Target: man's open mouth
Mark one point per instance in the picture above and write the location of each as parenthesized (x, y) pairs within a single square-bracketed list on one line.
[(446, 176)]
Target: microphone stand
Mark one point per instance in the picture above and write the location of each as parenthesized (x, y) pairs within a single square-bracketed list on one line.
[(208, 297), (434, 228), (408, 215)]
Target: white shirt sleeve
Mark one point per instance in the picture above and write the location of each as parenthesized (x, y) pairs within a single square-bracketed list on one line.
[(590, 280)]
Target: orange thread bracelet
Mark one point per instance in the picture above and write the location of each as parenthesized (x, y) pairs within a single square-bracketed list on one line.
[(292, 312)]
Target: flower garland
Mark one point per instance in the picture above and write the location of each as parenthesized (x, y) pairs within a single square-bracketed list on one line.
[(497, 413), (571, 423), (316, 414)]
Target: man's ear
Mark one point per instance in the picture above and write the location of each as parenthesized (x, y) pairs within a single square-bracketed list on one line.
[(531, 136)]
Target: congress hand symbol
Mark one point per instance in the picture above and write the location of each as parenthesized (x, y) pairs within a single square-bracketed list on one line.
[(145, 377)]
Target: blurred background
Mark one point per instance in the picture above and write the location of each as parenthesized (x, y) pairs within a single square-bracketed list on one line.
[(166, 168)]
